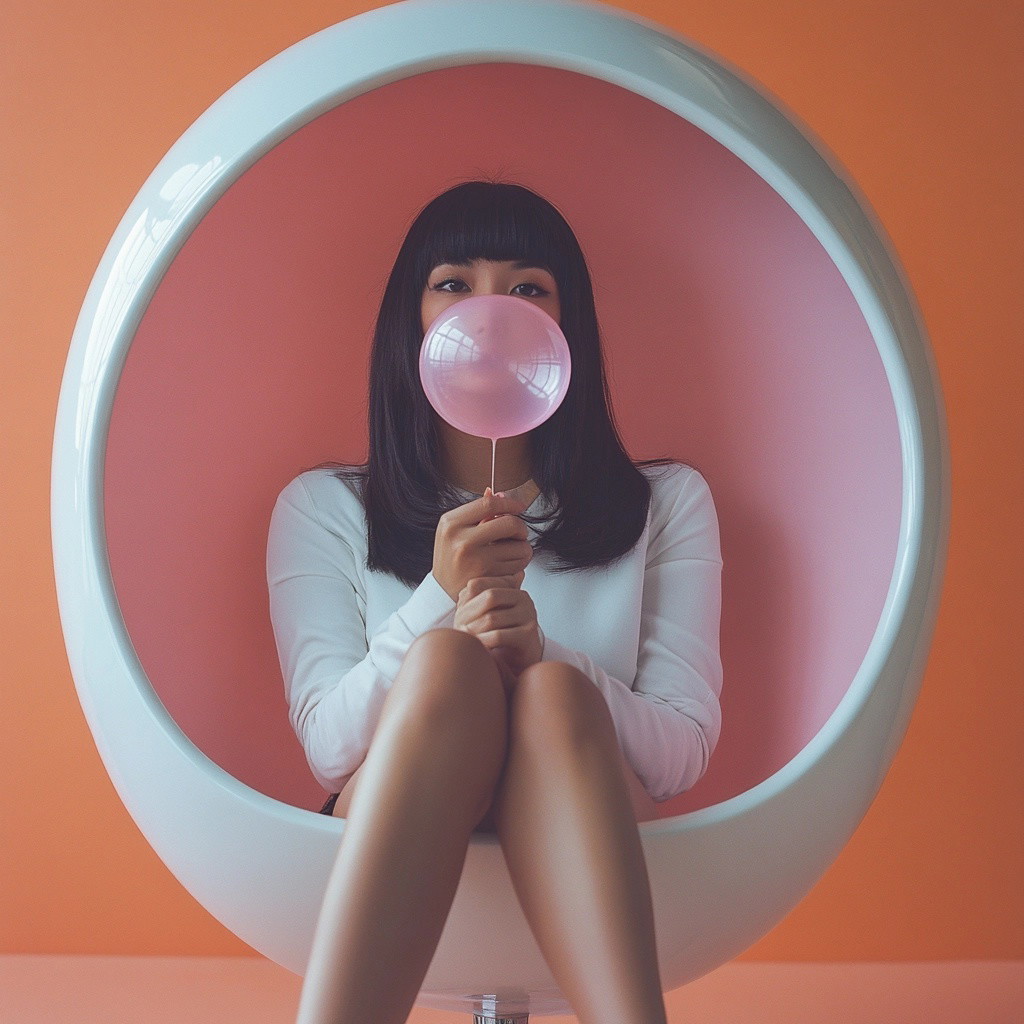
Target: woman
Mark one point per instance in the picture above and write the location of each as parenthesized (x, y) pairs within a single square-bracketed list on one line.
[(426, 694)]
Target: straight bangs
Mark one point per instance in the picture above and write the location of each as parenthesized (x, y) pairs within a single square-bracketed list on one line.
[(471, 224)]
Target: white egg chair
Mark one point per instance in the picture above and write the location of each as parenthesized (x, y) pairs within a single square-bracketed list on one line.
[(207, 368)]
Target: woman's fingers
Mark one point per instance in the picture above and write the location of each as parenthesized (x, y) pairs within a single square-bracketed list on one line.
[(481, 584), (489, 603), (511, 637), (482, 614)]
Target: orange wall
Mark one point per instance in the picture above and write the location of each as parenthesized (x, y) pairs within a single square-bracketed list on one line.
[(922, 103)]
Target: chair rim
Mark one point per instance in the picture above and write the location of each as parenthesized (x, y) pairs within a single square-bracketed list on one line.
[(677, 74), (202, 837)]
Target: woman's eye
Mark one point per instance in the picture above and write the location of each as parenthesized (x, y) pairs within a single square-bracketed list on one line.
[(440, 286), (536, 293)]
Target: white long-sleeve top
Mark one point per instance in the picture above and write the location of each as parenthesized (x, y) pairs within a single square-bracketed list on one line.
[(645, 630)]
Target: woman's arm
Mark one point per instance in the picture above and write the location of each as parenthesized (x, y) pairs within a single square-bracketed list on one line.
[(669, 723), (335, 683)]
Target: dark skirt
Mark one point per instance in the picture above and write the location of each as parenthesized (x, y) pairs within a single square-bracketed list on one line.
[(328, 808)]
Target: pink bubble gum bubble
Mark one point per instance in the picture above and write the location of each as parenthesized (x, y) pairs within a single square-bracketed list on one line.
[(494, 365)]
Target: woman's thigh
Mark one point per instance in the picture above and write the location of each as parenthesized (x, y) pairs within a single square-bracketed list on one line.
[(341, 805)]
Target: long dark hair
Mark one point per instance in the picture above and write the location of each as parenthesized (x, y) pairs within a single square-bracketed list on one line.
[(598, 496)]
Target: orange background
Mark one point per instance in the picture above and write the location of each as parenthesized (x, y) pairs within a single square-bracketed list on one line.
[(921, 102)]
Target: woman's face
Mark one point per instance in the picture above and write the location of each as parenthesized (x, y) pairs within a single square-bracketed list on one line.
[(449, 283)]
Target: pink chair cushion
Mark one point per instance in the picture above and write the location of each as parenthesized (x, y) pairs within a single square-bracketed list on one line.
[(755, 365)]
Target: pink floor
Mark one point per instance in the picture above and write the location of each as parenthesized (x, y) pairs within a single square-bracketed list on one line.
[(249, 990)]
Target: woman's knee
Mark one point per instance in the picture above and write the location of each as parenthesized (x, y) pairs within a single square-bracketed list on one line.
[(558, 705), (450, 673), (447, 641), (449, 654), (561, 711)]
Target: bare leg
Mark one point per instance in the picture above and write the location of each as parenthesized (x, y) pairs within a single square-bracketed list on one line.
[(567, 828), (431, 770)]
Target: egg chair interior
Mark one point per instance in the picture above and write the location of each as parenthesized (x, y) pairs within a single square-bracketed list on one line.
[(732, 343), (755, 325)]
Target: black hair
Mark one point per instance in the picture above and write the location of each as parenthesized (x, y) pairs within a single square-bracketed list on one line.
[(597, 495)]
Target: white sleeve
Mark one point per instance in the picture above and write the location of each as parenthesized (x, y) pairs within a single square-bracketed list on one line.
[(335, 683), (668, 724)]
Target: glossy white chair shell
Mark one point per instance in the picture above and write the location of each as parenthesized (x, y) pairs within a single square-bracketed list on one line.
[(723, 872)]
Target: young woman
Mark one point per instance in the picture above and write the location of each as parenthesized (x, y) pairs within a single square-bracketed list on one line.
[(408, 604)]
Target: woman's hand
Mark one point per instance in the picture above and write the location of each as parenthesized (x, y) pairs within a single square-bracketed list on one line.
[(502, 615), (484, 537)]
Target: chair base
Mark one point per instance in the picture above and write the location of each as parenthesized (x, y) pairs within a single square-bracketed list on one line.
[(509, 1008)]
